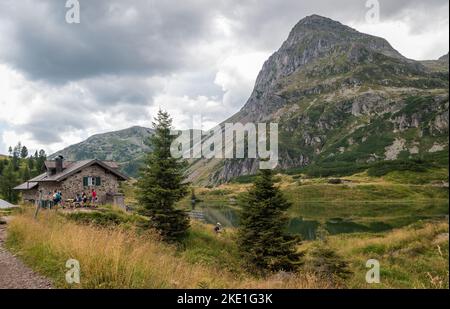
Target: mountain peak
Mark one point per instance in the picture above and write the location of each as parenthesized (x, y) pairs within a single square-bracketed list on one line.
[(317, 22), (444, 58), (315, 34)]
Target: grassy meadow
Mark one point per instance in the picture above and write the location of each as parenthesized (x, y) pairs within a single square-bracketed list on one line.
[(404, 225)]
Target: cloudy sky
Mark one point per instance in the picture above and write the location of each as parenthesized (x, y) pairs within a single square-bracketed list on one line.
[(60, 82)]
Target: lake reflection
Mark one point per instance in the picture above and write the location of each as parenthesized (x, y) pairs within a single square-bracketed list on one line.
[(229, 217)]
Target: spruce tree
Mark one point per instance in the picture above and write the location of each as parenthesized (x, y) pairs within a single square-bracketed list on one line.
[(161, 184), (262, 237), (24, 152), (25, 173), (8, 181)]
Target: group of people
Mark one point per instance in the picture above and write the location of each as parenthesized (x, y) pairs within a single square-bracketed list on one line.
[(83, 199), (55, 199)]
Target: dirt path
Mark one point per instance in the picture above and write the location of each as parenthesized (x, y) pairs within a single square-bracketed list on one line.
[(14, 274)]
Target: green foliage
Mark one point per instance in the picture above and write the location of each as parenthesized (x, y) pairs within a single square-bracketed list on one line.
[(262, 236), (416, 104), (204, 246), (104, 218), (384, 167), (376, 169), (161, 184), (244, 179), (8, 180), (327, 263), (334, 169), (124, 147), (18, 168)]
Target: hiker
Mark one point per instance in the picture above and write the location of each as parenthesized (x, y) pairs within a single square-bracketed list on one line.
[(78, 200), (84, 199), (94, 197), (56, 198), (218, 228), (61, 201)]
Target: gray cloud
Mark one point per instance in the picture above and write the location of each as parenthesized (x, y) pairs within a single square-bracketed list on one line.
[(137, 37), (124, 54), (154, 37)]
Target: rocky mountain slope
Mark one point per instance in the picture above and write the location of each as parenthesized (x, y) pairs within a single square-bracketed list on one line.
[(127, 147), (341, 96)]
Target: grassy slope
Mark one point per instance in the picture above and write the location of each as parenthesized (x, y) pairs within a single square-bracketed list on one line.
[(116, 257), (413, 253), (415, 256)]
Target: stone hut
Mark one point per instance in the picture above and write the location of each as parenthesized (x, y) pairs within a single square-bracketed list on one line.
[(72, 178)]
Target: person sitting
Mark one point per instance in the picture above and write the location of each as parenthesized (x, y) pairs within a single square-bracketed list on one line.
[(218, 228), (84, 199), (78, 201)]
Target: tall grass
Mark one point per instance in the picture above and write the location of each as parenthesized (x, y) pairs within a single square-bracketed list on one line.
[(119, 258), (412, 257)]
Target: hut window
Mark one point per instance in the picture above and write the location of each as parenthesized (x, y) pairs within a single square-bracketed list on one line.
[(91, 181)]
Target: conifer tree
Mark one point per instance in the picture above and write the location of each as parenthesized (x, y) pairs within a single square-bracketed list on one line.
[(161, 184), (25, 173), (324, 261), (24, 152), (9, 180), (262, 237)]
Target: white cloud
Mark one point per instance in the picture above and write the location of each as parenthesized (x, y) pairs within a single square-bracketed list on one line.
[(237, 75), (423, 45)]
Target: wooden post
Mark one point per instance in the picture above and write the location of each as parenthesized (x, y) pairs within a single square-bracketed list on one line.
[(38, 204)]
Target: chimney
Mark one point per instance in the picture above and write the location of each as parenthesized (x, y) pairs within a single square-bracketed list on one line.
[(59, 164)]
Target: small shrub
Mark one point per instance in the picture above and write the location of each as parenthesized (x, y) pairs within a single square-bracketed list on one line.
[(107, 218), (384, 167), (328, 264)]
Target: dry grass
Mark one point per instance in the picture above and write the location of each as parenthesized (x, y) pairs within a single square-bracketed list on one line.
[(412, 257), (118, 258)]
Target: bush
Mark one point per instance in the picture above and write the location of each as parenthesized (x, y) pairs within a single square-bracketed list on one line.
[(244, 179), (107, 218), (338, 169), (384, 167), (328, 264)]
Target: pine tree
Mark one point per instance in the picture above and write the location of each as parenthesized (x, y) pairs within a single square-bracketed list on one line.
[(24, 152), (31, 163), (161, 184), (25, 173), (8, 181), (40, 162), (262, 238), (324, 261), (2, 166)]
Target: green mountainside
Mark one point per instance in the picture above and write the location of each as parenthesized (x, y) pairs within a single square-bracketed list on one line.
[(344, 100), (127, 147)]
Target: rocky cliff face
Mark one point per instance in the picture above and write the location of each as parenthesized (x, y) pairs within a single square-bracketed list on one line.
[(341, 96)]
